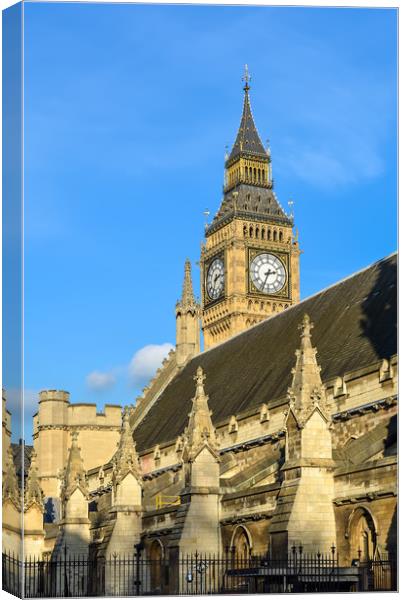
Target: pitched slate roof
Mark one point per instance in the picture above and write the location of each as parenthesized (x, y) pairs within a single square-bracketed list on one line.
[(354, 326), (254, 203), (247, 140)]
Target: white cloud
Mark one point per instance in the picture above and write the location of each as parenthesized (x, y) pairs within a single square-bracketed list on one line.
[(146, 361), (98, 381)]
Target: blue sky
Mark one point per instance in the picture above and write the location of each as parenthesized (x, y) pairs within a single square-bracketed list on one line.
[(128, 109)]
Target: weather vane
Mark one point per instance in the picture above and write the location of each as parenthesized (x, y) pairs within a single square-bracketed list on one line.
[(206, 213), (246, 78), (291, 203)]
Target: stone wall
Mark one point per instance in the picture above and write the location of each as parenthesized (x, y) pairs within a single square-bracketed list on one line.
[(56, 418)]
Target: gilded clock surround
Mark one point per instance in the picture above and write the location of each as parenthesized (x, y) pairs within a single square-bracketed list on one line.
[(250, 221)]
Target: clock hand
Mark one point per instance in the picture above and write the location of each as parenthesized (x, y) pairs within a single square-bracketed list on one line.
[(266, 278)]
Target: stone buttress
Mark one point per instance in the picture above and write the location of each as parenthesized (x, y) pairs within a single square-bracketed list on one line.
[(33, 512), (126, 494), (197, 524), (74, 536), (304, 514)]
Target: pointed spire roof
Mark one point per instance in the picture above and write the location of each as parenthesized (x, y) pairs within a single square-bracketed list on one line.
[(307, 391), (11, 489), (188, 301), (33, 491), (200, 431), (75, 473), (248, 140), (126, 459)]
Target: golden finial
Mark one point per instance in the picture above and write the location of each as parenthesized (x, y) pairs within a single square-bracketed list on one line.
[(305, 327), (199, 378), (247, 78)]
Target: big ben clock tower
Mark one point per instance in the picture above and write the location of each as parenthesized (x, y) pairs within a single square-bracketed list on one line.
[(250, 261)]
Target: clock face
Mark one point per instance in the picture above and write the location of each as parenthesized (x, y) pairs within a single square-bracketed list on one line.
[(215, 279), (267, 273)]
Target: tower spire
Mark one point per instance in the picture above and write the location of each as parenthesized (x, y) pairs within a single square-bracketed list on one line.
[(248, 142)]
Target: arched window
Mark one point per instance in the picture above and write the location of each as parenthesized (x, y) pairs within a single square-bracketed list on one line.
[(259, 175), (362, 534), (246, 172), (275, 236), (280, 236), (251, 231), (268, 234), (250, 173), (257, 232), (263, 234), (263, 175), (255, 174), (245, 231)]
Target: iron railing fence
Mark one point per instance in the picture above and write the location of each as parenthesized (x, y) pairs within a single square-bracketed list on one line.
[(135, 575), (378, 575)]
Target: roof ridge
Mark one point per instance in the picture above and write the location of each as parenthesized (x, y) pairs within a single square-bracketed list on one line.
[(294, 306)]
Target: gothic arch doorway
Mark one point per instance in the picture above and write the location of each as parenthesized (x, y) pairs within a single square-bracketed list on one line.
[(362, 534), (241, 543), (156, 566)]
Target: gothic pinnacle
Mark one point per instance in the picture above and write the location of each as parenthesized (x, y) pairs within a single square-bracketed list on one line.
[(11, 489), (187, 298), (200, 430), (307, 388), (33, 491), (188, 301), (75, 474), (126, 458)]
